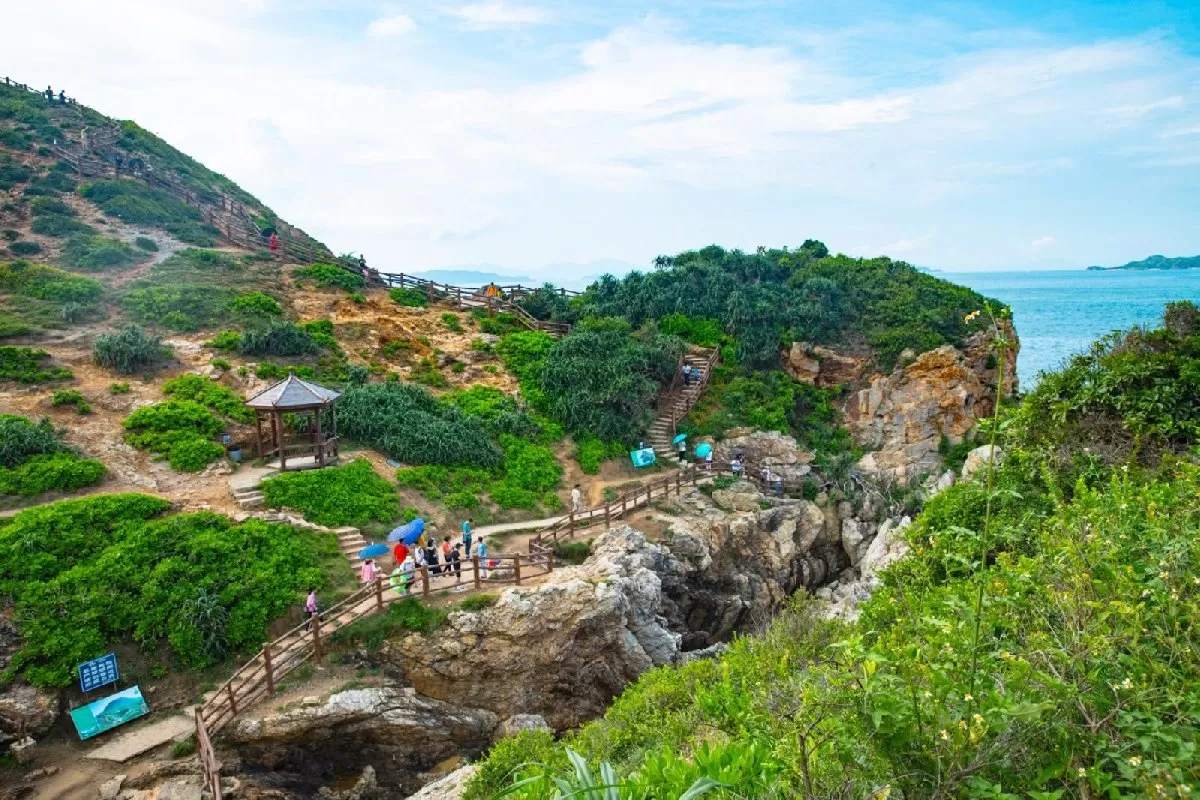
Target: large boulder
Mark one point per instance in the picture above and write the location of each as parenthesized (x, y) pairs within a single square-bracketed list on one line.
[(980, 457), (824, 366), (449, 787), (562, 649), (396, 731), (766, 448), (25, 711)]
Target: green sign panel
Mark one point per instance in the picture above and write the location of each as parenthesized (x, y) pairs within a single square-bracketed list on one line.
[(109, 712)]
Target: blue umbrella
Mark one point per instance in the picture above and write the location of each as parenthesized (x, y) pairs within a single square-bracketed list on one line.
[(373, 551), (679, 437), (408, 532), (703, 449)]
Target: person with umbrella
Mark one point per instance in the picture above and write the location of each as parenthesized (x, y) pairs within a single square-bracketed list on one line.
[(680, 442), (367, 573)]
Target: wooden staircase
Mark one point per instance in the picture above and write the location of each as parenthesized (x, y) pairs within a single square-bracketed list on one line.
[(677, 401)]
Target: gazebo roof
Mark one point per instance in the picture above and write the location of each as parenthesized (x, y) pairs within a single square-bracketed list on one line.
[(292, 392)]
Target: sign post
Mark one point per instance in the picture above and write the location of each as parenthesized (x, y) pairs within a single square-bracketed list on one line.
[(98, 672)]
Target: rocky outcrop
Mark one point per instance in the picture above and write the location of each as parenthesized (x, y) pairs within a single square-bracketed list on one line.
[(451, 787), (563, 649), (824, 366), (24, 710), (766, 448), (396, 731), (903, 416)]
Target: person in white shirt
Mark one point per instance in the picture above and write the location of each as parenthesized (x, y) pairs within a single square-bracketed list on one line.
[(576, 499)]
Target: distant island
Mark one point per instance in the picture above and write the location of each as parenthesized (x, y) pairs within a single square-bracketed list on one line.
[(1159, 262)]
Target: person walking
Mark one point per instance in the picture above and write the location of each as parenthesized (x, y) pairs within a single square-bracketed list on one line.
[(576, 499), (400, 552), (273, 242), (455, 558), (735, 466), (431, 558), (466, 536), (682, 452), (686, 372), (400, 577), (446, 548), (418, 555), (708, 459), (310, 607), (367, 572)]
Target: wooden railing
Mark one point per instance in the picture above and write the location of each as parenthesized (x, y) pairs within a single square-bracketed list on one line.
[(259, 677), (680, 403), (478, 297)]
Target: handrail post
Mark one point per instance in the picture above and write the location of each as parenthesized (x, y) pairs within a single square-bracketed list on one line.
[(678, 478), (316, 629), (232, 699), (607, 524), (379, 592), (623, 508), (517, 568), (425, 583), (549, 561), (266, 653), (571, 519), (475, 562)]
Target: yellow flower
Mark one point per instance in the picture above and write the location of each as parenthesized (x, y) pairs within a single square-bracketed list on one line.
[(962, 723), (1163, 575), (1127, 684), (968, 697), (1081, 772), (1135, 760), (944, 735), (978, 719)]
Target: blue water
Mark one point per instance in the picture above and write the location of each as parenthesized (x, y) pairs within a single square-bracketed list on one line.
[(1060, 313)]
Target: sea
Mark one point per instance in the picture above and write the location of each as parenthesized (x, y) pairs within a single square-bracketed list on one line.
[(1060, 313)]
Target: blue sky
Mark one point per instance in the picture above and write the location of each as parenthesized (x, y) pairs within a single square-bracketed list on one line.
[(539, 137)]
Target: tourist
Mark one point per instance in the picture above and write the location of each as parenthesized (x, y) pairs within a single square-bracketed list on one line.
[(682, 451), (686, 371), (273, 242), (446, 550), (455, 560), (400, 552), (400, 576), (708, 459), (735, 466), (62, 97), (310, 607), (418, 555), (49, 95), (576, 499), (367, 573), (466, 536), (431, 558), (481, 555)]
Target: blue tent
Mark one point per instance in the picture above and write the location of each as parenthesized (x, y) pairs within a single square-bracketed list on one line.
[(409, 532)]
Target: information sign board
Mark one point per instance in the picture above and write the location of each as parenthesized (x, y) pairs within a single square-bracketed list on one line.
[(109, 712), (98, 672)]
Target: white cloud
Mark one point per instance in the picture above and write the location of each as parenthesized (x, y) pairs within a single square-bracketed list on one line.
[(1140, 110), (394, 25), (907, 245), (498, 14), (1041, 243)]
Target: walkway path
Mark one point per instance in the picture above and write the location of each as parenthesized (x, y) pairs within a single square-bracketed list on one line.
[(144, 738)]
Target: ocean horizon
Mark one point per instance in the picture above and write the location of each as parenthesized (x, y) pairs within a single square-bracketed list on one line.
[(1059, 313)]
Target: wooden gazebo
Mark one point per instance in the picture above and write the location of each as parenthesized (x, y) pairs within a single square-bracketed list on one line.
[(312, 449)]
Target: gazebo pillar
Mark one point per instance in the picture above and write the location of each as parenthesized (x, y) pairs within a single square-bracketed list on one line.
[(258, 431), (333, 416), (277, 426), (320, 440)]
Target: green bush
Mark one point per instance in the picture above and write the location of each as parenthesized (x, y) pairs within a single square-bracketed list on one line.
[(406, 423), (26, 365), (221, 364), (119, 388), (479, 602), (21, 439), (88, 574), (254, 304), (281, 339), (146, 243), (210, 393), (60, 225), (331, 276), (131, 350), (21, 249), (42, 206), (410, 298), (138, 203), (428, 373), (71, 397), (572, 551), (353, 494), (406, 615), (55, 472), (179, 308), (182, 431), (192, 454), (226, 340), (451, 321), (98, 253), (590, 451), (524, 355)]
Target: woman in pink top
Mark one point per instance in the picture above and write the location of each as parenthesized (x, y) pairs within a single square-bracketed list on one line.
[(367, 572)]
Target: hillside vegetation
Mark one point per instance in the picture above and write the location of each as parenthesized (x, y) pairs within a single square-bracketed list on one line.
[(1040, 640)]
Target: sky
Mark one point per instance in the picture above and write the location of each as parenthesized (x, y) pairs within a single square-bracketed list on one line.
[(556, 138)]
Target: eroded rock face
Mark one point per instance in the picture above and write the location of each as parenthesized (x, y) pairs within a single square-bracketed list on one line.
[(396, 731), (562, 649), (824, 366), (766, 448), (903, 416), (25, 711)]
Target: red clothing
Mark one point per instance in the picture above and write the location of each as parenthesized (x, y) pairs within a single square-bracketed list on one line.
[(274, 243), (401, 553)]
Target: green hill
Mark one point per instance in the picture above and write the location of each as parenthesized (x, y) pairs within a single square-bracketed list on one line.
[(1157, 262)]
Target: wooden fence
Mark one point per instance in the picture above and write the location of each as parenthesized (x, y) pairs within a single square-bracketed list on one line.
[(479, 297), (679, 404)]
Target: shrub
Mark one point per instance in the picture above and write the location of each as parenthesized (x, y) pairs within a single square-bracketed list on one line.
[(8, 234), (97, 253), (129, 351), (282, 339), (226, 340), (407, 424), (192, 454), (409, 614), (409, 298), (182, 431), (118, 388), (146, 243), (56, 472), (353, 494), (209, 393), (427, 372), (26, 365), (41, 206), (524, 355), (590, 451), (178, 307), (59, 225), (47, 283), (479, 602), (572, 551), (197, 582), (331, 276), (71, 397), (24, 248), (221, 364), (358, 298), (21, 439), (452, 323), (253, 304), (140, 204)]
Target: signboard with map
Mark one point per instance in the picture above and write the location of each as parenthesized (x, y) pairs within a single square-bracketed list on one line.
[(109, 712), (642, 458)]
